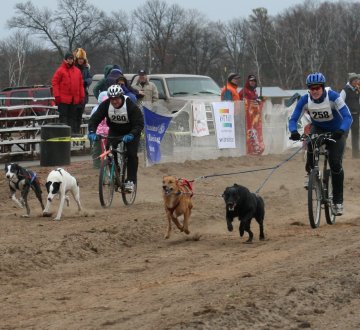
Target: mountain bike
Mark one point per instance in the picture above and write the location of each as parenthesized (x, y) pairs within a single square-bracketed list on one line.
[(112, 177), (320, 190)]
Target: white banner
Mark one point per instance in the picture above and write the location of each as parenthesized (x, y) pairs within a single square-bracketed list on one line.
[(224, 123), (200, 126)]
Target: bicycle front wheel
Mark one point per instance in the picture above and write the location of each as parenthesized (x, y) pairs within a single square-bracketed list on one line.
[(127, 197), (106, 182), (314, 198), (329, 206)]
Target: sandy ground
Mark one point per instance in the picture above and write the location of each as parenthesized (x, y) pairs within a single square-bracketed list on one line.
[(112, 269)]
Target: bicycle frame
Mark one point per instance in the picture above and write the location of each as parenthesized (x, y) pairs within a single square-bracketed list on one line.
[(113, 177), (320, 181)]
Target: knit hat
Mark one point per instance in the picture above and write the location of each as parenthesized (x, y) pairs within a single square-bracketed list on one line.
[(142, 73), (68, 55), (80, 53), (232, 76), (353, 76), (251, 77)]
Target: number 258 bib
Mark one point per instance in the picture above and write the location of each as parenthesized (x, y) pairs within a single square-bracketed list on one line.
[(320, 111)]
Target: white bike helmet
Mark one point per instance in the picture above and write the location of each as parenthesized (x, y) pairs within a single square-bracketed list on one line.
[(115, 91)]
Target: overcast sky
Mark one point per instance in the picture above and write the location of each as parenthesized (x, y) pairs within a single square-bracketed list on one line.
[(223, 10)]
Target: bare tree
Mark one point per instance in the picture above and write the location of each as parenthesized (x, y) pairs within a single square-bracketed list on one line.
[(119, 33), (15, 50), (159, 26), (71, 24)]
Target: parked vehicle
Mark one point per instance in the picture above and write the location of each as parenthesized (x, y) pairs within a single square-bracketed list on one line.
[(176, 89), (13, 100)]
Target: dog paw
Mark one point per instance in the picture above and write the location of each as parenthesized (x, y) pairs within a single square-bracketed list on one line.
[(166, 236), (187, 231), (230, 228), (25, 216), (47, 214), (56, 219)]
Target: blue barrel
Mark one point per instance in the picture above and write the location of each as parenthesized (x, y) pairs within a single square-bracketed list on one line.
[(55, 145)]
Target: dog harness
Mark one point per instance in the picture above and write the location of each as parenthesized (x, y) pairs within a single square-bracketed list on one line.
[(29, 177), (188, 185)]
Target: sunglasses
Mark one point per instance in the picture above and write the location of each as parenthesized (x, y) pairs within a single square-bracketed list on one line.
[(315, 88)]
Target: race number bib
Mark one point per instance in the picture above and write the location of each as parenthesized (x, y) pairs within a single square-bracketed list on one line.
[(118, 116), (321, 114)]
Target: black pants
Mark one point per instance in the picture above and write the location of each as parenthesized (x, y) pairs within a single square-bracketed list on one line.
[(133, 159), (67, 114), (355, 135), (79, 110), (336, 153)]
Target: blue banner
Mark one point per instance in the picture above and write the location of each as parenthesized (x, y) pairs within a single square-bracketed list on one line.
[(155, 128)]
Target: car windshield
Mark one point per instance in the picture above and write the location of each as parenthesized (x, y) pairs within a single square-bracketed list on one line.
[(181, 86)]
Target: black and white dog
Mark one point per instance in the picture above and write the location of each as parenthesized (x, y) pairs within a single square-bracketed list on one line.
[(59, 182), (241, 203), (21, 179)]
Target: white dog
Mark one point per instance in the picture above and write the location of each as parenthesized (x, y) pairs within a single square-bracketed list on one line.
[(59, 182)]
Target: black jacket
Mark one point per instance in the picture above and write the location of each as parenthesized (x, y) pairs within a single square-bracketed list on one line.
[(126, 120)]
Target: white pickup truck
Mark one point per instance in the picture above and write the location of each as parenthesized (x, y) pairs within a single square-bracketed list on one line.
[(175, 89)]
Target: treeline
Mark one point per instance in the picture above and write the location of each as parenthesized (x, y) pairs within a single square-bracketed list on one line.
[(162, 38)]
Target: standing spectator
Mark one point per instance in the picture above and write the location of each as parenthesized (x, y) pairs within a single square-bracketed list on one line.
[(68, 88), (82, 64), (350, 94), (147, 87), (101, 85), (250, 89), (116, 77), (229, 91)]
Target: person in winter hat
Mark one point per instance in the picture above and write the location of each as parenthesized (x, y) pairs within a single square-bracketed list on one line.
[(249, 91), (82, 64), (68, 90), (229, 91), (102, 85)]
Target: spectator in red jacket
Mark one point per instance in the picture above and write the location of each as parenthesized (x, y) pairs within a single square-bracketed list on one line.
[(68, 89), (250, 89)]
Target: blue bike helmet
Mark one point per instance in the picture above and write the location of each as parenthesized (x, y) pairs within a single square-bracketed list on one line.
[(316, 78)]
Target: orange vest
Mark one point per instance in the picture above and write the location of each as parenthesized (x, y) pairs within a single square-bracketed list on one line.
[(226, 90)]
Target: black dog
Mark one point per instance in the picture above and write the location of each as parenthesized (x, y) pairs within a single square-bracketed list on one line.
[(241, 203), (22, 179)]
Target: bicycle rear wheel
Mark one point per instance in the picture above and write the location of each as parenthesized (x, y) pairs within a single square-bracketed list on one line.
[(329, 206), (314, 198), (106, 182), (127, 197)]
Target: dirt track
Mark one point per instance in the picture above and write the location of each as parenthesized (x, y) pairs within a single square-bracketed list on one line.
[(112, 269)]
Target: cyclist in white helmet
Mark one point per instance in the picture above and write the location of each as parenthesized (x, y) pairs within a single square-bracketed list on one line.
[(125, 119)]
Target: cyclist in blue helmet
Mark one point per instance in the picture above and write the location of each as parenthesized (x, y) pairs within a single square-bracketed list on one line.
[(328, 113)]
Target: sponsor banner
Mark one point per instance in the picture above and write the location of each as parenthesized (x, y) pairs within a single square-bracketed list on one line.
[(254, 133), (200, 126), (224, 124), (155, 128)]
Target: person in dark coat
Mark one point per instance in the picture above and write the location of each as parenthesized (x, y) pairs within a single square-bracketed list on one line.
[(82, 64)]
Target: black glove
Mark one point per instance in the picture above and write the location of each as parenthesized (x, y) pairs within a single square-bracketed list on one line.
[(337, 135), (295, 136)]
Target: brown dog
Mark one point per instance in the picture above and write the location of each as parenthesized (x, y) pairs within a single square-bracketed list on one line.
[(177, 195)]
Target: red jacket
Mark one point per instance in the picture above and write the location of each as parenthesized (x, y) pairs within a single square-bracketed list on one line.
[(250, 92), (68, 85)]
